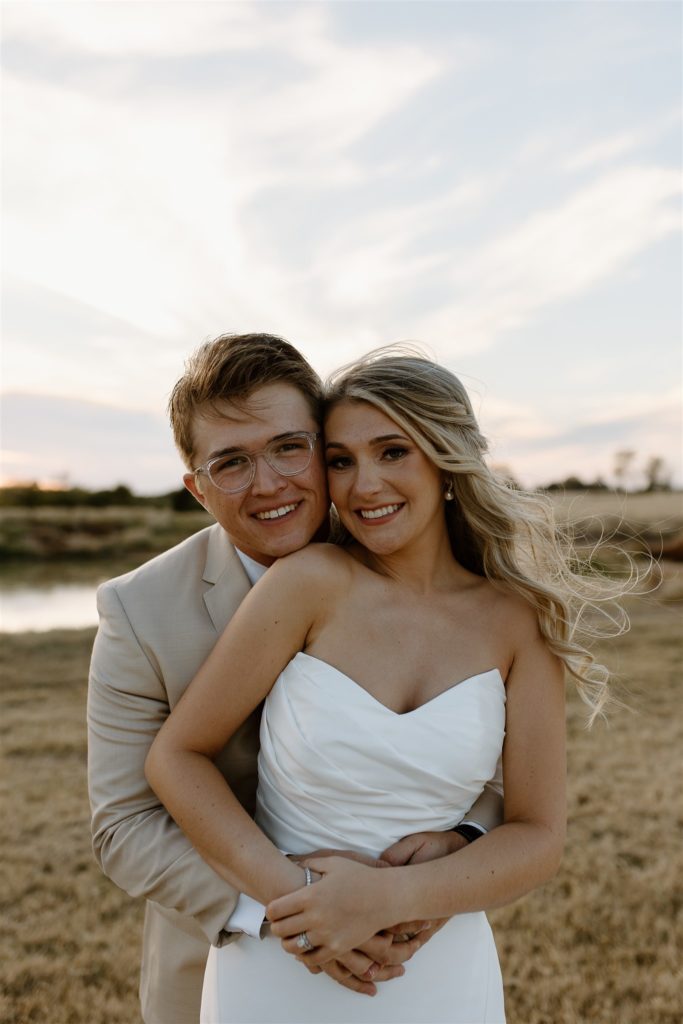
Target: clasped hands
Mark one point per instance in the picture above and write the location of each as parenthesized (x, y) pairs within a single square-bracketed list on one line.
[(344, 913)]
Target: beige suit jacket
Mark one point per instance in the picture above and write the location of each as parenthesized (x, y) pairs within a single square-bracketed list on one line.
[(157, 625)]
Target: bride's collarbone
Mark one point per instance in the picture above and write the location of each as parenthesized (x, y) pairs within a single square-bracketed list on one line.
[(372, 619)]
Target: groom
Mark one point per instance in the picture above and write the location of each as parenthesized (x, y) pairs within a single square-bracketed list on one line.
[(248, 398)]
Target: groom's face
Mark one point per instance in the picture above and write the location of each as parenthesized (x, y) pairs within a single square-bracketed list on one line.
[(276, 514)]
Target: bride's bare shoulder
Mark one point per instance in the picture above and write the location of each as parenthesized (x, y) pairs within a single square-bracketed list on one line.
[(324, 566), (514, 615)]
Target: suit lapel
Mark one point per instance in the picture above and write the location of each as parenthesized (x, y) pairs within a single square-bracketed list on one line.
[(229, 581)]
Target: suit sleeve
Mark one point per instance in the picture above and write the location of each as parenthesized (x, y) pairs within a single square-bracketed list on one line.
[(135, 841)]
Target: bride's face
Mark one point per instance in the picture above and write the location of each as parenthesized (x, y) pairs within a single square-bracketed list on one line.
[(386, 491)]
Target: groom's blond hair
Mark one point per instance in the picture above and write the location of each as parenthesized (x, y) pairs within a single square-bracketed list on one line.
[(230, 368)]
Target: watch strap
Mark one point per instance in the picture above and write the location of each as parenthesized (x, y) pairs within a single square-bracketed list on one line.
[(469, 832)]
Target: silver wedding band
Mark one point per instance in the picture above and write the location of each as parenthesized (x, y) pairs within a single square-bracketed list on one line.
[(303, 942)]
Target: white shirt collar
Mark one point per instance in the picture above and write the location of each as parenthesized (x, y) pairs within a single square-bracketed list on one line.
[(253, 569)]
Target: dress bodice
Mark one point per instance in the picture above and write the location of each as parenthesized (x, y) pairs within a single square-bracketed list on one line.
[(338, 768)]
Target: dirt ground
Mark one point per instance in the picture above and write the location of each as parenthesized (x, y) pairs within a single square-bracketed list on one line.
[(596, 946)]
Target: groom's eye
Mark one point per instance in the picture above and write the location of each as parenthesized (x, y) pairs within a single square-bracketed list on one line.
[(235, 461), (287, 447)]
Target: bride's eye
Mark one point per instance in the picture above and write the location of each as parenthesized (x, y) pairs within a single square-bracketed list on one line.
[(339, 462), (394, 453)]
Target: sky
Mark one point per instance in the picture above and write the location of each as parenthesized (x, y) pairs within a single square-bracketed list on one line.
[(498, 181)]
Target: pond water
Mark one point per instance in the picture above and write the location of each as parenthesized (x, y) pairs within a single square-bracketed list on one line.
[(61, 606), (43, 596)]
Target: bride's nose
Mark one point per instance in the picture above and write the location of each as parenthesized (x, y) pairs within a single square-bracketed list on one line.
[(368, 479)]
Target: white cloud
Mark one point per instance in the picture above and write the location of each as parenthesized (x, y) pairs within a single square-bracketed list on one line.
[(603, 151), (143, 29), (539, 451), (366, 261), (586, 155), (515, 422), (138, 208), (556, 254)]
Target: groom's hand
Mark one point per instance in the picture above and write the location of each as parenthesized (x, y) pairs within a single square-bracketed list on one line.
[(416, 932), (381, 958), (360, 858), (421, 847), (417, 849), (357, 972)]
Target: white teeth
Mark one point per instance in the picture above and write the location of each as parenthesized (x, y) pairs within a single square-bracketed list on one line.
[(376, 513), (275, 513)]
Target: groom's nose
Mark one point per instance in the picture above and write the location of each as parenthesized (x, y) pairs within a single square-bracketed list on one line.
[(266, 479)]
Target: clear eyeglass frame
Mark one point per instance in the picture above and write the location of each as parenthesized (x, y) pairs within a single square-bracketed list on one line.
[(268, 453)]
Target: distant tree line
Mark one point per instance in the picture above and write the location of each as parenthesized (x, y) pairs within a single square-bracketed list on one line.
[(121, 496), (655, 472), (574, 483)]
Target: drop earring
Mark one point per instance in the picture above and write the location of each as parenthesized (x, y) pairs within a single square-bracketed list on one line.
[(449, 493)]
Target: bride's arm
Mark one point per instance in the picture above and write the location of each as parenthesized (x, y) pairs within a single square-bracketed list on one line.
[(268, 629), (352, 901)]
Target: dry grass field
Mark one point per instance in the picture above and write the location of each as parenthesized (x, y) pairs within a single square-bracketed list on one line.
[(87, 533), (656, 511), (596, 946), (599, 945)]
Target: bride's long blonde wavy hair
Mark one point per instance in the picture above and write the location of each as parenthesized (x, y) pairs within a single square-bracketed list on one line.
[(496, 530)]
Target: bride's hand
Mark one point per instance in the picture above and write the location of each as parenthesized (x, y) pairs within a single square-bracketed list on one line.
[(339, 913)]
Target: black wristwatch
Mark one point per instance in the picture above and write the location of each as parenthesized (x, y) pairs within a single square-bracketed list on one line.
[(469, 832)]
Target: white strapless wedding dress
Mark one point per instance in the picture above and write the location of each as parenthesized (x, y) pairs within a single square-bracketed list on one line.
[(339, 769)]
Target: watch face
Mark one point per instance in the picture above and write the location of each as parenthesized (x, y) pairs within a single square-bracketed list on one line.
[(468, 832)]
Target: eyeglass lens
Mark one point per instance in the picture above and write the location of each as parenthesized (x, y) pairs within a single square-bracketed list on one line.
[(287, 456)]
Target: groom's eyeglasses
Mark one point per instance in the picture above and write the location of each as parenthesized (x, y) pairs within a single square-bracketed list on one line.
[(234, 470)]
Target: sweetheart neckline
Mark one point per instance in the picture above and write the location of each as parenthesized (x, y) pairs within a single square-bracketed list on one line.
[(402, 714)]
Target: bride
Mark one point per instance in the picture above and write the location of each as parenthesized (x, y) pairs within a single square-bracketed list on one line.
[(393, 666)]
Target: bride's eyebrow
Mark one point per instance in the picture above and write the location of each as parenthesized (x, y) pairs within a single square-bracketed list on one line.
[(375, 440)]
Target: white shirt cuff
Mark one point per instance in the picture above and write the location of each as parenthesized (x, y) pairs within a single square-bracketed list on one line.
[(247, 917)]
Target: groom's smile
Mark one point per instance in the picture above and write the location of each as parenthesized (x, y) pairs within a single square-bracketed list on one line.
[(277, 513)]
